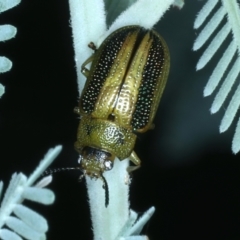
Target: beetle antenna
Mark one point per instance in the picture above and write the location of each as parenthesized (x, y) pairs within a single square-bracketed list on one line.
[(55, 170), (105, 186)]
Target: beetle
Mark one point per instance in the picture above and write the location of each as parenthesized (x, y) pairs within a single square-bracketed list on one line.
[(120, 98)]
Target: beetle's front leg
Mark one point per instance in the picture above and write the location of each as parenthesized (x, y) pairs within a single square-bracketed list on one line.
[(135, 159), (92, 46), (84, 70), (77, 111)]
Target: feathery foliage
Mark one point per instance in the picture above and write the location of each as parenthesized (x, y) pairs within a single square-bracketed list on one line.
[(6, 32), (26, 223), (230, 10)]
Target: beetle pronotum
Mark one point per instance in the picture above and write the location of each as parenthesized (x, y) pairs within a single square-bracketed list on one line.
[(120, 98)]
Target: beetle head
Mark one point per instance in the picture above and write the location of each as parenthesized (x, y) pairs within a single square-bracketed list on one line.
[(94, 161)]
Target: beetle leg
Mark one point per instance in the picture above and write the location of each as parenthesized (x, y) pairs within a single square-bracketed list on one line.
[(130, 169), (84, 70), (134, 158), (92, 46), (76, 110)]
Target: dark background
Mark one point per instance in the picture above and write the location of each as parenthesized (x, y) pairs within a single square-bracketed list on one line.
[(188, 170)]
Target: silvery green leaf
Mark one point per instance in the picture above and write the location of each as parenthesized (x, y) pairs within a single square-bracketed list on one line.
[(40, 195), (44, 164), (204, 13), (6, 234), (136, 228), (179, 3), (114, 8), (1, 188), (134, 238), (31, 218), (8, 4), (229, 8), (226, 87), (7, 32), (209, 28), (13, 193), (44, 182), (2, 90), (5, 64), (27, 223), (23, 229)]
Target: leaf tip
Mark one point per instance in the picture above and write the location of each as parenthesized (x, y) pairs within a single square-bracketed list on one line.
[(5, 64), (2, 90), (235, 147), (236, 139), (195, 46), (213, 110), (223, 127), (207, 92)]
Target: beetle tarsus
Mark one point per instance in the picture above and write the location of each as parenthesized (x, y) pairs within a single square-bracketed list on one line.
[(130, 169), (92, 46)]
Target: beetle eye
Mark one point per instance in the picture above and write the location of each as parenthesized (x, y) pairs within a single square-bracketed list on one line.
[(108, 165)]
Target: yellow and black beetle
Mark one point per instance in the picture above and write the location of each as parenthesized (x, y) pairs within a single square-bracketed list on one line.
[(121, 96)]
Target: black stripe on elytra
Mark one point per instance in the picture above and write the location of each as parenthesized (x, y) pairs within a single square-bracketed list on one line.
[(147, 90), (101, 67)]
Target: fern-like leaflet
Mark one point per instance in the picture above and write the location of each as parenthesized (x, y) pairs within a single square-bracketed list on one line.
[(26, 223), (229, 8)]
